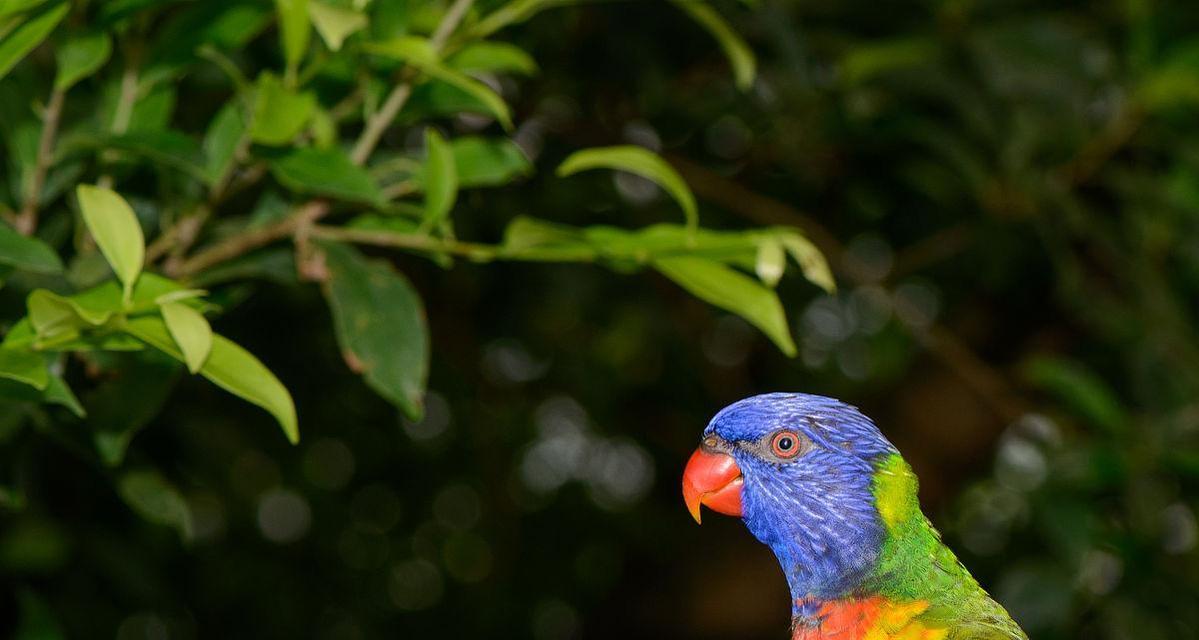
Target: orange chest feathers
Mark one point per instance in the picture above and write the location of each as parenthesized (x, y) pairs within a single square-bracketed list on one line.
[(875, 618)]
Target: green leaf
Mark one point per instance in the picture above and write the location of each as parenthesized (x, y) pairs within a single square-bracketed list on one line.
[(191, 332), (294, 32), (740, 56), (116, 231), (27, 254), (418, 53), (10, 7), (57, 392), (24, 367), (231, 368), (771, 261), (279, 113), (499, 57), (29, 35), (487, 162), (813, 264), (380, 326), (733, 291), (325, 172), (224, 135), (53, 315), (156, 500), (335, 23), (441, 178), (80, 57), (642, 162), (867, 60), (160, 146)]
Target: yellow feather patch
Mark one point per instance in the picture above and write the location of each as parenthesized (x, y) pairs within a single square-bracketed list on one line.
[(894, 490)]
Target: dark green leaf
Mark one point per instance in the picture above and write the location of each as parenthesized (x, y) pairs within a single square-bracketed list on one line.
[(380, 325), (156, 500), (294, 31), (130, 395), (27, 254), (224, 135), (80, 57), (325, 172)]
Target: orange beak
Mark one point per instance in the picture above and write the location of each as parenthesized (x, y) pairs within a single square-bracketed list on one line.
[(712, 480)]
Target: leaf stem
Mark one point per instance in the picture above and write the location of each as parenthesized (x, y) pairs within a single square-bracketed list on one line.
[(242, 243), (26, 221)]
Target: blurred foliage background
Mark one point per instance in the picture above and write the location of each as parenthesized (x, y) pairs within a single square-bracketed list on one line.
[(1007, 192)]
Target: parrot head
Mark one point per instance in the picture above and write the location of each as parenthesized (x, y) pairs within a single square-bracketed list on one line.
[(799, 470)]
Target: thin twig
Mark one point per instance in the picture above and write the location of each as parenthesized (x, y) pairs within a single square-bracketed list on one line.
[(250, 240), (382, 119), (26, 221), (413, 241)]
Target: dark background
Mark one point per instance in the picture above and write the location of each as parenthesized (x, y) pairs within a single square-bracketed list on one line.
[(1008, 193)]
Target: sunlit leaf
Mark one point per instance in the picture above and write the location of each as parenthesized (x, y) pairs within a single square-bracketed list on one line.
[(640, 161), (380, 326), (80, 57), (441, 178), (771, 261), (231, 368), (32, 31), (335, 23), (191, 332), (733, 291), (116, 231)]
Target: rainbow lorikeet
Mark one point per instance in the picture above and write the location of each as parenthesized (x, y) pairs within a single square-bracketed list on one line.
[(815, 480)]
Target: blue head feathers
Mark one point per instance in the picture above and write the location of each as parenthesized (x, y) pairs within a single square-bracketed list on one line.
[(807, 462)]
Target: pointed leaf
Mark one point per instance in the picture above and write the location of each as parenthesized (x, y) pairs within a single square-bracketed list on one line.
[(771, 261), (335, 23), (740, 56), (80, 57), (813, 264), (156, 500), (733, 291), (32, 31), (116, 230), (294, 31), (380, 325), (24, 367), (441, 178), (495, 57), (640, 161), (418, 53), (231, 368), (191, 332), (224, 135)]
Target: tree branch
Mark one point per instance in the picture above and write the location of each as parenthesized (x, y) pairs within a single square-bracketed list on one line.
[(26, 221), (250, 240)]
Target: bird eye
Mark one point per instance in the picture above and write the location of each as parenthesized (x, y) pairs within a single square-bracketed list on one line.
[(785, 444)]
